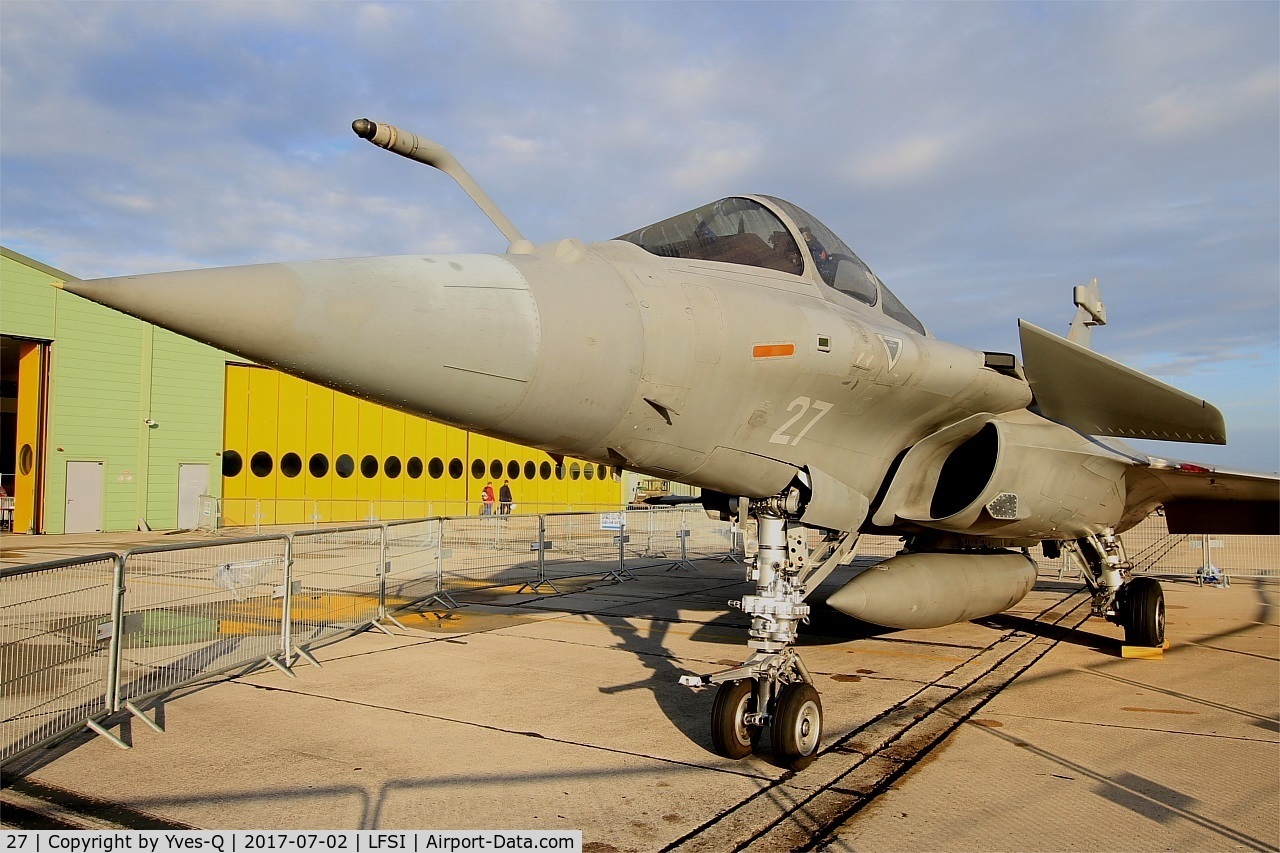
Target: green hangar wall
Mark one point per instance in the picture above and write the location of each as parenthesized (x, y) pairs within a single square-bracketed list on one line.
[(120, 410)]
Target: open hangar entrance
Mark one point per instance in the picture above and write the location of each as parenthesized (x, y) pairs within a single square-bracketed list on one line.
[(24, 385)]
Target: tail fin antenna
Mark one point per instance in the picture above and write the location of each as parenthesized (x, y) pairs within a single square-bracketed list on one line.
[(1090, 312)]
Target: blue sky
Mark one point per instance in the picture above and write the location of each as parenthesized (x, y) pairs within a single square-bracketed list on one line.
[(982, 158)]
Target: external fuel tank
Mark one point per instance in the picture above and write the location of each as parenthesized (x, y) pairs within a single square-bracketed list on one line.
[(932, 589)]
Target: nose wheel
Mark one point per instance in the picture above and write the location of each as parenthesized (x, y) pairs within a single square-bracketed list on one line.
[(794, 719), (731, 733), (797, 726)]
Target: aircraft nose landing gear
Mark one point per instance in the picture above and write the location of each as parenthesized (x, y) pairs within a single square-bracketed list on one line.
[(773, 689)]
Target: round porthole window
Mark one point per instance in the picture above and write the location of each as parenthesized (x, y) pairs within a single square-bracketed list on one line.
[(318, 465), (232, 463), (413, 468), (345, 466), (291, 465), (369, 467), (261, 464)]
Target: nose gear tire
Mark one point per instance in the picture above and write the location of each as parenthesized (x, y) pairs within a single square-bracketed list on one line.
[(730, 734), (797, 726)]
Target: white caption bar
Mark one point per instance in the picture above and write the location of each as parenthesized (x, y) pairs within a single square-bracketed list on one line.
[(249, 841)]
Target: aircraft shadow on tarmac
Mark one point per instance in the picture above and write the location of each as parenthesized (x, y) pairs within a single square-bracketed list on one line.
[(647, 638), (686, 709)]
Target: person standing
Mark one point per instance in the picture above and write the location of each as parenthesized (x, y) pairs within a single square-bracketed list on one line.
[(504, 499), (486, 499)]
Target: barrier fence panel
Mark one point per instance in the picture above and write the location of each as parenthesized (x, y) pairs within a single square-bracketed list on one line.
[(209, 516), (654, 536), (414, 563), (578, 545), (336, 583), (490, 551), (1238, 556), (1147, 543), (54, 648), (709, 537), (193, 610), (1155, 551)]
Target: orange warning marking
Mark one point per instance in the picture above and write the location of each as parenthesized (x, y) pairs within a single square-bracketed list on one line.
[(773, 350)]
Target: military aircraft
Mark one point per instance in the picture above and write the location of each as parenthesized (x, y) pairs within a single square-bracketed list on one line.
[(744, 348)]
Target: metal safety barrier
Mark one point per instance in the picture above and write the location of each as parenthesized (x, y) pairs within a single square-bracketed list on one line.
[(335, 584), (84, 639), (414, 567), (55, 649), (491, 551), (189, 611), (1206, 558)]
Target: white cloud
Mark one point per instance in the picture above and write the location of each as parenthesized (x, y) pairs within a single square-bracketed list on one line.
[(1205, 107), (904, 161)]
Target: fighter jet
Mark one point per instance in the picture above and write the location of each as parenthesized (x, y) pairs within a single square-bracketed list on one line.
[(744, 348)]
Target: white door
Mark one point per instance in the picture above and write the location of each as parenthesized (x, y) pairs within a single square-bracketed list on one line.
[(193, 481), (84, 497)]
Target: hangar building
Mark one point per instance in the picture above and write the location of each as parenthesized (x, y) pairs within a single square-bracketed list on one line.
[(109, 423)]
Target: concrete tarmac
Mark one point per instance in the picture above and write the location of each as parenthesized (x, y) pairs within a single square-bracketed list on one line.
[(1024, 731)]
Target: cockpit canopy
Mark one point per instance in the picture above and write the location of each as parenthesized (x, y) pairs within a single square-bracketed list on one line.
[(744, 230)]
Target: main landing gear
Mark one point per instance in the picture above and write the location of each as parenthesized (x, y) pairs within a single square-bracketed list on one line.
[(1136, 604), (772, 689)]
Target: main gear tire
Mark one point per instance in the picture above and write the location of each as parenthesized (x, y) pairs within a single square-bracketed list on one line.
[(1144, 613), (797, 726), (731, 736)]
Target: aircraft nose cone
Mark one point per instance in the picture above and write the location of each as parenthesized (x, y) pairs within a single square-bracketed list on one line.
[(455, 337)]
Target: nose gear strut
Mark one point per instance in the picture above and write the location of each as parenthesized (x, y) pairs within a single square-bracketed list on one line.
[(773, 688)]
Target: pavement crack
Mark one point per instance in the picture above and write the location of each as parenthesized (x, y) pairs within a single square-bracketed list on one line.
[(1152, 729)]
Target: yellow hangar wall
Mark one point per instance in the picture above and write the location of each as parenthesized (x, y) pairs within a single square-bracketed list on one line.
[(294, 452)]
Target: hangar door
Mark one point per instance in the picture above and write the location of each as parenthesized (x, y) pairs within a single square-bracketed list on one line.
[(84, 497), (297, 453), (193, 481)]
